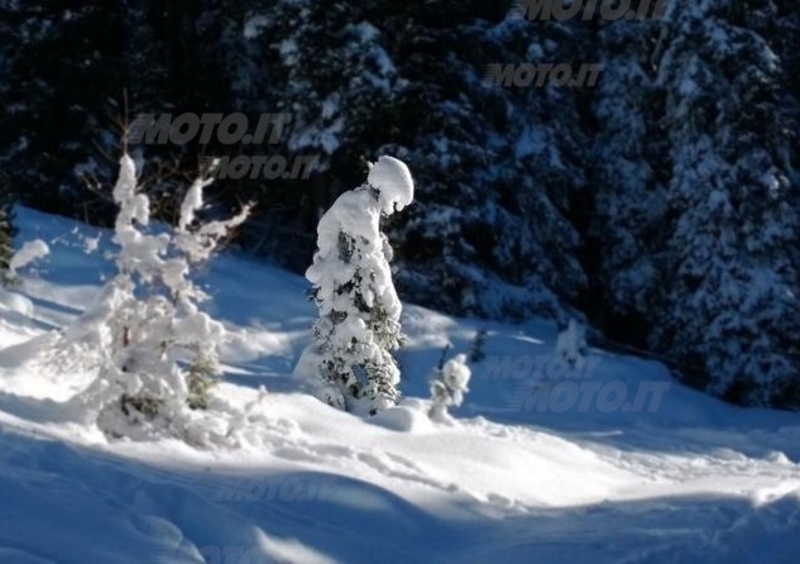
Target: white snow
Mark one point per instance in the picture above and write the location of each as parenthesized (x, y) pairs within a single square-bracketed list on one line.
[(392, 179), (30, 252), (693, 481)]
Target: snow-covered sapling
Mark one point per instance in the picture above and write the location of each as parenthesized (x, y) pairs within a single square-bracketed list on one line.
[(359, 311), (448, 386), (571, 344), (476, 351), (147, 318), (7, 230)]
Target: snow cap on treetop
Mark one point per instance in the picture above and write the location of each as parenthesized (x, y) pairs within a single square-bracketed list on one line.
[(392, 179)]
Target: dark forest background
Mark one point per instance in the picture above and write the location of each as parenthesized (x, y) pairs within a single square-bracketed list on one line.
[(661, 204)]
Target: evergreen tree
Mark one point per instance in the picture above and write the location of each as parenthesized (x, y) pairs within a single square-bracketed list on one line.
[(7, 229), (627, 221), (326, 66), (728, 305), (63, 74), (497, 168), (359, 323), (79, 73), (696, 210)]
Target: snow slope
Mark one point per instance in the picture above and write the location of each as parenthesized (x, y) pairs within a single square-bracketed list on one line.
[(687, 480)]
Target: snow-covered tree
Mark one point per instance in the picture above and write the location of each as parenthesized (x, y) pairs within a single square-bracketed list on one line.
[(782, 22), (147, 318), (328, 67), (694, 224), (626, 223), (7, 229), (727, 306), (58, 113), (448, 386), (571, 344), (359, 323), (65, 70), (498, 166)]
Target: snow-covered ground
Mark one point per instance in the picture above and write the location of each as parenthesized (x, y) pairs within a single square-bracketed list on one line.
[(670, 476)]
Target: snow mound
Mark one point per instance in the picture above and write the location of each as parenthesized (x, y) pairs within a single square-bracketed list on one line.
[(30, 252), (17, 303), (405, 418)]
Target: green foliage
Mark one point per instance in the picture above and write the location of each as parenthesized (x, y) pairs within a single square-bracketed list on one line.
[(143, 404), (202, 375)]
